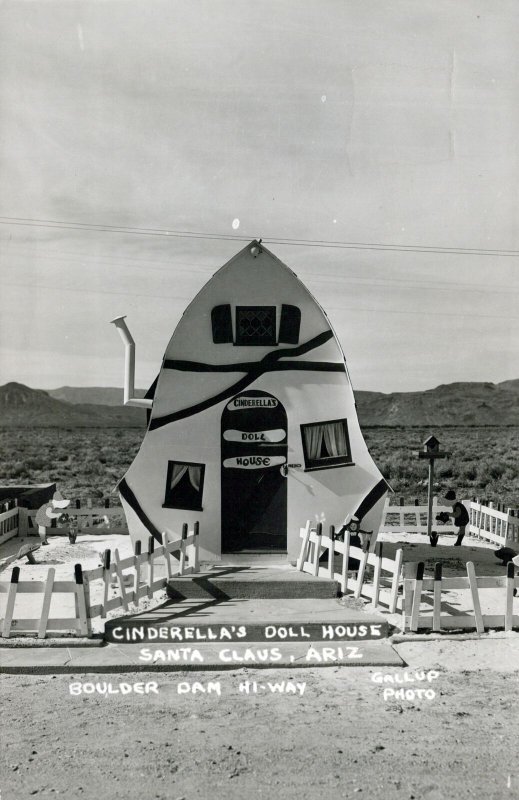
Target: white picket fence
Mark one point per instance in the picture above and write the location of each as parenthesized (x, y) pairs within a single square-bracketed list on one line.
[(423, 608), (407, 518), (382, 590), (486, 522), (18, 521), (133, 577), (494, 525)]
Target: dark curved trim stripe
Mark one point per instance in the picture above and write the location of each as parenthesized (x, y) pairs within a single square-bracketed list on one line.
[(371, 498), (134, 504), (253, 370), (246, 366), (196, 366)]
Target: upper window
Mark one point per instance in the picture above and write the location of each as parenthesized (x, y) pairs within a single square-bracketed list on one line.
[(326, 444), (255, 325), (184, 485)]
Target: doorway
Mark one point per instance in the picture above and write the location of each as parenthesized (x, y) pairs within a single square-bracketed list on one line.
[(253, 482)]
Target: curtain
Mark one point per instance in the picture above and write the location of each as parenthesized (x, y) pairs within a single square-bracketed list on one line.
[(313, 441), (335, 439), (179, 470), (334, 436), (194, 477)]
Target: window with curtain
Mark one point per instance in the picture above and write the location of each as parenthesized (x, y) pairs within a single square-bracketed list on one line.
[(184, 485), (326, 444)]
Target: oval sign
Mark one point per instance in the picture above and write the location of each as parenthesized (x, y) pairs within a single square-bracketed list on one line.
[(253, 462), (243, 401), (276, 435)]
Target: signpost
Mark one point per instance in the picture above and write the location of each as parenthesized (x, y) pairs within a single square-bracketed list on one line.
[(431, 451)]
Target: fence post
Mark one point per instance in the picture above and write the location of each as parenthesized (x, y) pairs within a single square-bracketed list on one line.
[(81, 600), (376, 574), (304, 546), (120, 579), (399, 555), (167, 554), (417, 596), (11, 598), (47, 598), (151, 550), (23, 525), (138, 551), (331, 553), (510, 582), (182, 565), (317, 550), (106, 579), (196, 533), (437, 601), (345, 559), (471, 572), (360, 575)]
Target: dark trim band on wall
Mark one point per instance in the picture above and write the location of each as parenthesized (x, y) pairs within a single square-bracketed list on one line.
[(371, 498), (197, 366), (269, 363), (134, 504)]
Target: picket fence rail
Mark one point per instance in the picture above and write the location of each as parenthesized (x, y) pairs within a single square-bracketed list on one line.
[(412, 518), (493, 524), (417, 587), (133, 576), (381, 591)]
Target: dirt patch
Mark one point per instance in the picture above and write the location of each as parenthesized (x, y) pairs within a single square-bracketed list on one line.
[(340, 739)]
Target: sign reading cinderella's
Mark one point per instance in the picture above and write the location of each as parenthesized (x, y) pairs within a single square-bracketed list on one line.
[(254, 436), (254, 462), (251, 402)]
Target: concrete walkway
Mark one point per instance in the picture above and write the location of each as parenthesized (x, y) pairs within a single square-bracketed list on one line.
[(115, 658)]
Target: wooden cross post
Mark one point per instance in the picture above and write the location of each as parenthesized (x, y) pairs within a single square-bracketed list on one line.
[(431, 451)]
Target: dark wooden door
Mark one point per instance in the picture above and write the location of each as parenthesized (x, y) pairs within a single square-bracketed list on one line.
[(254, 488)]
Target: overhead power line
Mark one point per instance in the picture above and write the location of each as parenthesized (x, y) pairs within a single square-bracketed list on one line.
[(294, 242), (162, 296)]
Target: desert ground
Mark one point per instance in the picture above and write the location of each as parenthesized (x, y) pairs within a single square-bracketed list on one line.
[(340, 739)]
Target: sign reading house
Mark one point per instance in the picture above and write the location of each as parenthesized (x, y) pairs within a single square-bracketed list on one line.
[(253, 462), (276, 435), (244, 401)]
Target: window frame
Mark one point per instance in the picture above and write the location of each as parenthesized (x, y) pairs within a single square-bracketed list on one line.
[(330, 462), (167, 503)]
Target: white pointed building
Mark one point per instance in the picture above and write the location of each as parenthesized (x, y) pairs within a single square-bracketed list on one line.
[(253, 426)]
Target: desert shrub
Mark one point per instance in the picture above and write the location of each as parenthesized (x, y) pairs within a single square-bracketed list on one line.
[(445, 472), (36, 463), (469, 473), (496, 471)]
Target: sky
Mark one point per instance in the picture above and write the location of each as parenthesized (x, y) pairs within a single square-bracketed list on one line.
[(380, 138)]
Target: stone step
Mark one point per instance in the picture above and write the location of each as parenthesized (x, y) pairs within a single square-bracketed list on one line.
[(260, 582)]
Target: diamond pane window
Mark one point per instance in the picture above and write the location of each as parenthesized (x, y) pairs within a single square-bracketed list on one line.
[(256, 325)]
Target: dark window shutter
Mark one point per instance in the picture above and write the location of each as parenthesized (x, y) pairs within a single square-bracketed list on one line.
[(289, 324), (222, 324)]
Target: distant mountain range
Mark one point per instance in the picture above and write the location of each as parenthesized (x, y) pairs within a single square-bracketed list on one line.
[(92, 407), (23, 407)]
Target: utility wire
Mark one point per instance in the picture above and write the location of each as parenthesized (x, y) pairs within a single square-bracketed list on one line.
[(105, 228), (162, 296)]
